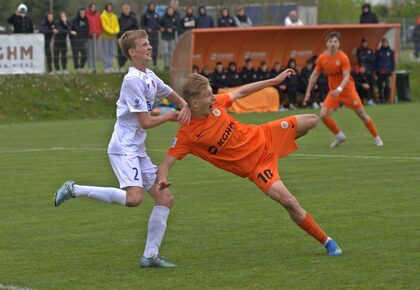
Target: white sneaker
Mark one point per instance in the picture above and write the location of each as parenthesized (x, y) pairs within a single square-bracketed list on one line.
[(315, 106), (378, 141), (371, 103), (339, 138), (292, 107), (65, 72)]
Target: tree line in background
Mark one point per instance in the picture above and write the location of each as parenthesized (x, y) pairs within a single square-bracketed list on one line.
[(329, 11)]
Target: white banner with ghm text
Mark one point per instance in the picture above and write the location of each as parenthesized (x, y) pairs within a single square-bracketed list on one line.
[(22, 54)]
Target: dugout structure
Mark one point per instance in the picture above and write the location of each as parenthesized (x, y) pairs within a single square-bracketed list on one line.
[(272, 43)]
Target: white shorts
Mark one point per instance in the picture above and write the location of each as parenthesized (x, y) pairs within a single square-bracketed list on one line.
[(133, 170)]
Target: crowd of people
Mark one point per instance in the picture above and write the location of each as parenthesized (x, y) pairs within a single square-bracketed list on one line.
[(372, 76)]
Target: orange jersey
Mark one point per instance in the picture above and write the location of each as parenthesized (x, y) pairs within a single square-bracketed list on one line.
[(221, 140), (333, 67)]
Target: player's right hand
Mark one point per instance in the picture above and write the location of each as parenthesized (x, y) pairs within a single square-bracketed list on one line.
[(172, 116), (164, 184), (306, 99)]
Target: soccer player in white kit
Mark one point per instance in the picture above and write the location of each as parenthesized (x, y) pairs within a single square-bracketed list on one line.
[(140, 91)]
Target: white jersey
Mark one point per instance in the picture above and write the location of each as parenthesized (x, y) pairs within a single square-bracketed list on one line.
[(140, 92)]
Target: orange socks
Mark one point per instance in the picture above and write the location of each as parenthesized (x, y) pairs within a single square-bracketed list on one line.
[(331, 124), (312, 228), (370, 125)]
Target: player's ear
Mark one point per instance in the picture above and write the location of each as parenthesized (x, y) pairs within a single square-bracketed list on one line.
[(131, 52)]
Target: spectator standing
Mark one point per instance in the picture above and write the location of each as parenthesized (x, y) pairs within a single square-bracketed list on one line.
[(416, 39), (47, 27), (110, 28), (367, 15), (363, 80), (241, 19), (151, 23), (79, 35), (366, 55), (292, 19), (204, 20), (233, 78), (225, 19), (21, 21), (60, 43), (292, 84), (385, 66), (169, 28), (95, 31), (189, 21), (127, 21), (304, 76), (175, 6), (248, 73), (218, 78)]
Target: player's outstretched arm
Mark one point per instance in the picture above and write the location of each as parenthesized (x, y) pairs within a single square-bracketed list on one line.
[(184, 116), (148, 121), (248, 89), (163, 171), (312, 80)]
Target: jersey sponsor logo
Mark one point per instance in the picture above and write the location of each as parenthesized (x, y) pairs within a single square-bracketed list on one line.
[(216, 112), (284, 124), (223, 140)]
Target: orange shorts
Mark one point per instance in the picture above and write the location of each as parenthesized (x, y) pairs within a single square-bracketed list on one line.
[(350, 100), (280, 142)]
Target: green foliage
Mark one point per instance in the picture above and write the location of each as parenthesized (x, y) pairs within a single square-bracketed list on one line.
[(222, 232), (338, 11)]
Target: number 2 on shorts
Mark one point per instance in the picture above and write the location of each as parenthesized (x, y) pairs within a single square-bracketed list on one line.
[(136, 173)]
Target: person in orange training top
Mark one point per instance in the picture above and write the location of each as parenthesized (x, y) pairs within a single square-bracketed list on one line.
[(246, 150), (336, 65)]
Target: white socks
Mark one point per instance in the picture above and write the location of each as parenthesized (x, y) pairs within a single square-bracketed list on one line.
[(105, 194), (156, 230)]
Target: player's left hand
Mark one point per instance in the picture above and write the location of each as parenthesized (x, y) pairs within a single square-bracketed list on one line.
[(335, 93), (184, 116), (284, 74)]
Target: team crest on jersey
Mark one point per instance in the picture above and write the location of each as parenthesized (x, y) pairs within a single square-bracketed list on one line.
[(337, 62), (284, 124), (174, 142), (137, 104), (216, 112), (355, 102)]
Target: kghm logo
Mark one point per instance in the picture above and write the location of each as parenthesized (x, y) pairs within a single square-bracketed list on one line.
[(223, 140)]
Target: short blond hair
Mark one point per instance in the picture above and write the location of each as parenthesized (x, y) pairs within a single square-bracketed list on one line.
[(194, 86), (128, 40)]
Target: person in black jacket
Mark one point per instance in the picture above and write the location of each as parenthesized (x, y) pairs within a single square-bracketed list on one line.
[(415, 36), (20, 20), (363, 80), (150, 22), (78, 36), (233, 78), (292, 84), (366, 55), (225, 19), (263, 73), (189, 21), (385, 66), (367, 15), (169, 27), (128, 21), (60, 43), (206, 72), (218, 78), (204, 20), (248, 73), (47, 27)]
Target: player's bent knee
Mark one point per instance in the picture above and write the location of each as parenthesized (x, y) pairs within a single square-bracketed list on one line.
[(166, 199), (313, 120)]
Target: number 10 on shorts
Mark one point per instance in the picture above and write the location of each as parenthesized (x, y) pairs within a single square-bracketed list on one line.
[(266, 175)]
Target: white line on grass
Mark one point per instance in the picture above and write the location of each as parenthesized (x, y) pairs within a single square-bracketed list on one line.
[(59, 149), (11, 287)]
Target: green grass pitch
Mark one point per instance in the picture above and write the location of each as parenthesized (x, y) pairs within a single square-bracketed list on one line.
[(223, 232)]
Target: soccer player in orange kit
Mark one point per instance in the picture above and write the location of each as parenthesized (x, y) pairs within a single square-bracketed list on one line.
[(336, 65), (246, 150)]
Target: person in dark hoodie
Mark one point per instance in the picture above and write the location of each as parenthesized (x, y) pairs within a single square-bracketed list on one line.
[(292, 84), (385, 66), (225, 19), (189, 21), (78, 36), (60, 43), (150, 22), (20, 20), (47, 27), (367, 15), (169, 27), (204, 20), (415, 36), (233, 78), (128, 21), (248, 73), (365, 55)]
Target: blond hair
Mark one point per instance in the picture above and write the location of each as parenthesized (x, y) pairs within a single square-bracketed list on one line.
[(194, 86), (128, 40)]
